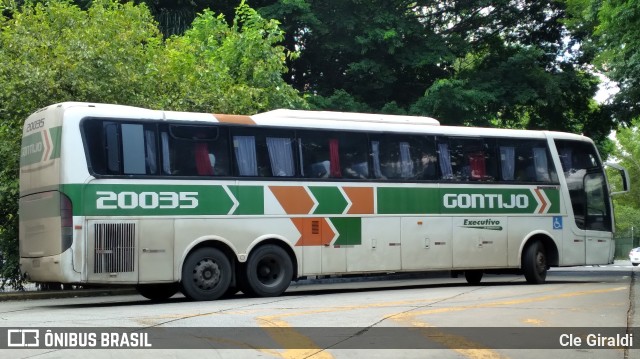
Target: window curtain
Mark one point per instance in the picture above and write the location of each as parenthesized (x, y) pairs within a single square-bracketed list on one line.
[(245, 149), (540, 163), (203, 163), (300, 158), (375, 148), (508, 162), (477, 166), (334, 158), (281, 156), (166, 167), (445, 161), (150, 153), (406, 166)]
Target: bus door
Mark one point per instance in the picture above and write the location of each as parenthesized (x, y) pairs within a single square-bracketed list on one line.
[(589, 197), (598, 221)]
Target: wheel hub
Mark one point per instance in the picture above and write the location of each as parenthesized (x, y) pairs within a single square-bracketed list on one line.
[(206, 274)]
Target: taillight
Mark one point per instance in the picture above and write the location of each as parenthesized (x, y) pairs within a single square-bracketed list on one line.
[(66, 221)]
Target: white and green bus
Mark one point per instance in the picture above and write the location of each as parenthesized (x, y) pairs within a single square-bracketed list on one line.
[(214, 204)]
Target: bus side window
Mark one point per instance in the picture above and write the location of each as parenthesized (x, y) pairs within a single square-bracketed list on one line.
[(320, 153), (353, 156), (195, 151)]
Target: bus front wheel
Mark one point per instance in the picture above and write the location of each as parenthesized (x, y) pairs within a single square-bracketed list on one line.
[(269, 271), (473, 277), (534, 263), (206, 274), (158, 292)]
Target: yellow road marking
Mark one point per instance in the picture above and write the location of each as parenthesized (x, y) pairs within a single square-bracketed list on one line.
[(456, 343), (467, 347), (532, 321)]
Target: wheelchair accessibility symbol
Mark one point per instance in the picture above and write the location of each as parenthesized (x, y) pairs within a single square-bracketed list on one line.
[(557, 222)]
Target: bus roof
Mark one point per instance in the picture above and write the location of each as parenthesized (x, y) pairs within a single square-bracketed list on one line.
[(294, 115), (318, 120)]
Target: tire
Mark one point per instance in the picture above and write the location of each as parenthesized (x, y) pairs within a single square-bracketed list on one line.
[(206, 274), (473, 276), (635, 264), (158, 292), (534, 263), (269, 271)]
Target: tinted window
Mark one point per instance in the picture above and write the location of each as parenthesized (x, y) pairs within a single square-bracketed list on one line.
[(195, 151), (263, 152), (404, 157), (328, 154), (586, 184), (116, 148), (525, 161)]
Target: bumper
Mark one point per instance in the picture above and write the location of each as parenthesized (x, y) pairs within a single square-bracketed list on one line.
[(55, 269)]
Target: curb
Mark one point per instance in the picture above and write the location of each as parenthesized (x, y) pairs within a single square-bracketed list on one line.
[(112, 291), (75, 293)]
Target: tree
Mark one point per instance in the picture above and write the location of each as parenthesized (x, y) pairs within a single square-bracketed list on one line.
[(113, 52), (233, 69), (57, 52), (503, 63), (610, 32), (627, 154)]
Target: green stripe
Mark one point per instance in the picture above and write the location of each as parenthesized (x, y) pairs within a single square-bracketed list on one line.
[(211, 200), (401, 200), (554, 198), (32, 149), (55, 134), (330, 200), (250, 198), (175, 200), (349, 230), (398, 200)]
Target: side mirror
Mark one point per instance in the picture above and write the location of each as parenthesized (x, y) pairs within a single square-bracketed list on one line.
[(625, 177)]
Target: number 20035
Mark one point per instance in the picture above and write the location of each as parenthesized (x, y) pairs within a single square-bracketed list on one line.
[(146, 200)]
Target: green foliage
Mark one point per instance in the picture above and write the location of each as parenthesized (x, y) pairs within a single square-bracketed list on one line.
[(340, 100), (54, 51), (627, 153), (610, 30), (9, 257), (234, 69), (505, 63)]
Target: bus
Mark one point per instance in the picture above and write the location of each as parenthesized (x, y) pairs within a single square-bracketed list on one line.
[(214, 204)]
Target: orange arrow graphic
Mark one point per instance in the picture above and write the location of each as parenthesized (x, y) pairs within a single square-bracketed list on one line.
[(293, 199), (314, 231), (361, 199), (544, 202)]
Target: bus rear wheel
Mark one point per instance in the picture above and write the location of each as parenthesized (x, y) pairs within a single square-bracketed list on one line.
[(206, 274), (158, 292), (534, 263), (473, 276), (269, 271)]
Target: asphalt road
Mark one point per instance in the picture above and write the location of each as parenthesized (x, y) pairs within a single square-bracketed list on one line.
[(503, 317)]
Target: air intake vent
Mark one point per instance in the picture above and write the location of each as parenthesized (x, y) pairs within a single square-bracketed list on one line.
[(114, 247)]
